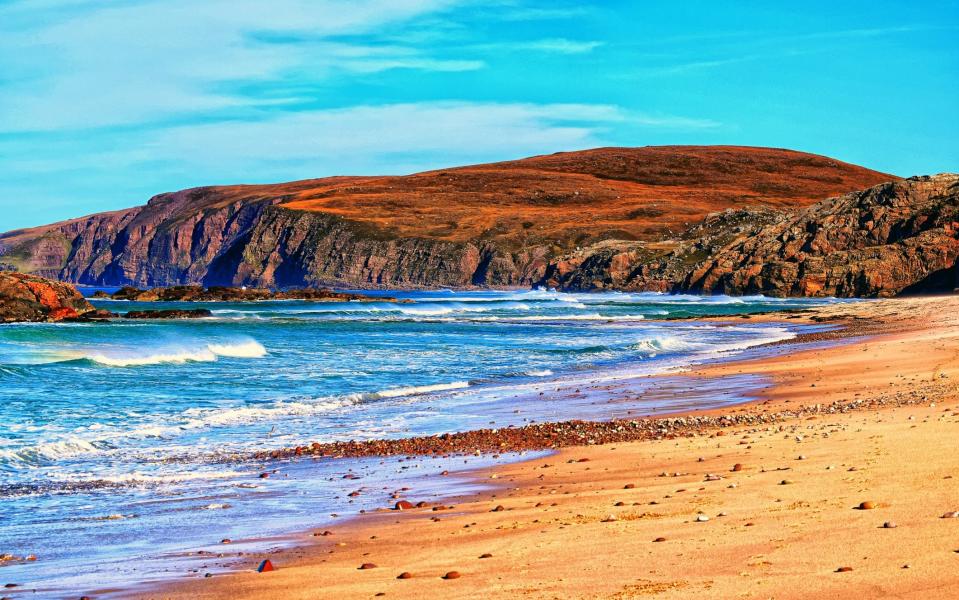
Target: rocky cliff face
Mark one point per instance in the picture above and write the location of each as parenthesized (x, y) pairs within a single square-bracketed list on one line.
[(503, 224), (32, 298), (896, 238)]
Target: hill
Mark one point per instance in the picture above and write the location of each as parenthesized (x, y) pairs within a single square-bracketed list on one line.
[(496, 224)]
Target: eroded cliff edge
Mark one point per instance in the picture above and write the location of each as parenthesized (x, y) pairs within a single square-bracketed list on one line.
[(899, 237)]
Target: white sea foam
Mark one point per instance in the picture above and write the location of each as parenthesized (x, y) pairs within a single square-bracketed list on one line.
[(173, 354), (539, 373)]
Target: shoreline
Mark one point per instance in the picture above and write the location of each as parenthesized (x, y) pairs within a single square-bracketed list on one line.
[(773, 408)]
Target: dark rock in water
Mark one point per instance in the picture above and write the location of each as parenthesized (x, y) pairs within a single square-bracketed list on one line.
[(31, 298), (198, 293), (174, 313), (403, 505), (93, 316)]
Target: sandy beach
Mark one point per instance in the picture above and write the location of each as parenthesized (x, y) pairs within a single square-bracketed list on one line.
[(838, 482)]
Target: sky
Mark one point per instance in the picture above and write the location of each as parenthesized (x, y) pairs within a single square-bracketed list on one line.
[(104, 103)]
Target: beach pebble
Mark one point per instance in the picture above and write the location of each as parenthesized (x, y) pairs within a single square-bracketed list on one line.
[(499, 508), (737, 467), (486, 555), (452, 575), (701, 518), (785, 482), (951, 515), (889, 525), (403, 505), (366, 566), (843, 569), (610, 519), (867, 505), (620, 504), (660, 539), (405, 575), (629, 486), (265, 567), (225, 541)]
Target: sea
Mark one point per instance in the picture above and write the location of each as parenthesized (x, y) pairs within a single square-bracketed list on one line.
[(126, 448)]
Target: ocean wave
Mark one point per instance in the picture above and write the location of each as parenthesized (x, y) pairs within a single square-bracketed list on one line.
[(173, 354), (656, 345), (51, 451)]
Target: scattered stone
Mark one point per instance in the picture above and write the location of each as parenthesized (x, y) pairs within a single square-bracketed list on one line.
[(867, 505), (486, 555), (405, 575), (452, 575), (951, 515), (843, 569), (660, 539), (403, 505), (265, 566), (701, 518), (499, 508), (889, 525), (737, 467), (366, 566), (610, 519)]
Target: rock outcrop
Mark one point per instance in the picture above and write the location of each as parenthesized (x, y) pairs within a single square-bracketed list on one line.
[(896, 238), (900, 237), (31, 298), (501, 224), (170, 313), (198, 293)]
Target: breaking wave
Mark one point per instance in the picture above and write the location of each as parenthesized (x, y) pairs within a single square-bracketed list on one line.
[(129, 357)]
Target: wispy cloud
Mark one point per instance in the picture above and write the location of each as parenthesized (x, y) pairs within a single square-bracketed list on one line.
[(127, 63)]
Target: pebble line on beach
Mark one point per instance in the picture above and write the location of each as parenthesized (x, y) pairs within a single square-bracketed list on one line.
[(551, 436)]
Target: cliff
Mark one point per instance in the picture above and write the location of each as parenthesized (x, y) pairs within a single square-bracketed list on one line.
[(501, 224), (896, 238), (899, 237)]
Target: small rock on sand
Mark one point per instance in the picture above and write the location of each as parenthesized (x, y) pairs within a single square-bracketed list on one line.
[(265, 567), (405, 575), (867, 505), (366, 566), (486, 555), (452, 575), (403, 505), (843, 569), (889, 525), (737, 467)]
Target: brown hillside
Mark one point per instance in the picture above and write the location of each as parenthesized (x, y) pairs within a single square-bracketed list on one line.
[(583, 197)]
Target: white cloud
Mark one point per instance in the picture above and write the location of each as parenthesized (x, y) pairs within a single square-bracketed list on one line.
[(129, 63), (370, 138)]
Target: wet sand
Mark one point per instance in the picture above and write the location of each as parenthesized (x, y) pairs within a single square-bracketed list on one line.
[(847, 466)]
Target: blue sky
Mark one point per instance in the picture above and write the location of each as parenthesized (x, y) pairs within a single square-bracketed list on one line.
[(105, 103)]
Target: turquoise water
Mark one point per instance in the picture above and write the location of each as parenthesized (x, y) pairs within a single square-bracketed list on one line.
[(120, 439)]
